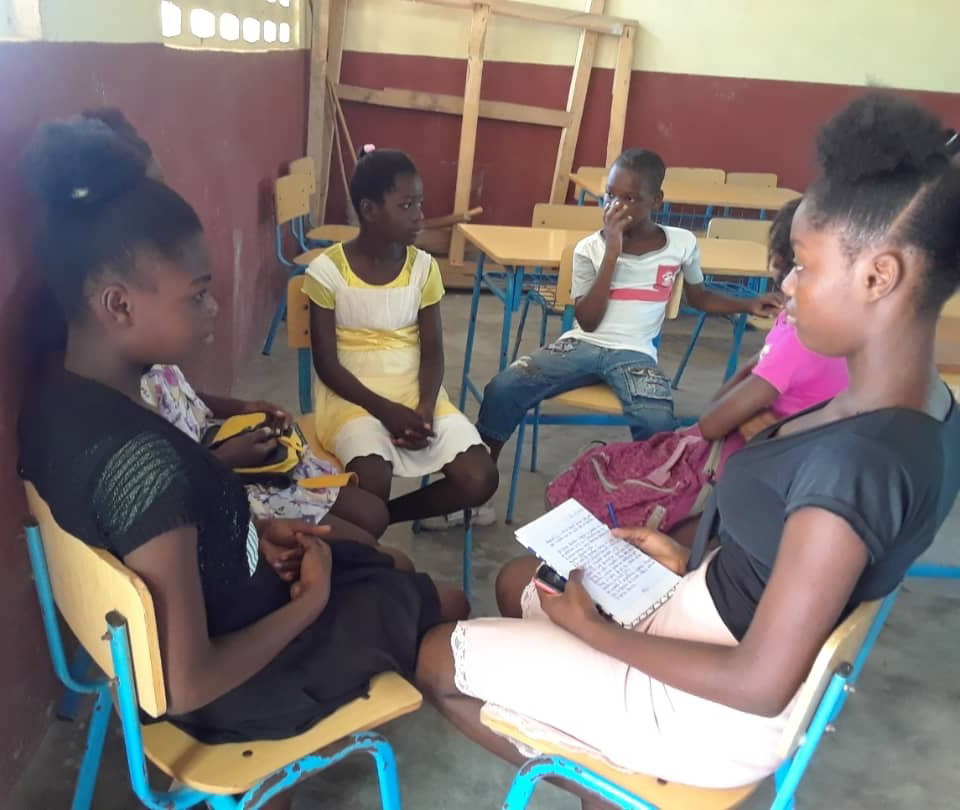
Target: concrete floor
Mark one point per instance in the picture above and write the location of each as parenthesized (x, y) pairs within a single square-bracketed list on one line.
[(896, 744)]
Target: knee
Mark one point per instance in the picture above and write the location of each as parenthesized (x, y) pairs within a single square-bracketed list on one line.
[(375, 515), (511, 581), (478, 479), (454, 605), (435, 666)]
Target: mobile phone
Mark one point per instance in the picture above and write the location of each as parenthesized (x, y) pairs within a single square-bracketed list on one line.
[(546, 579)]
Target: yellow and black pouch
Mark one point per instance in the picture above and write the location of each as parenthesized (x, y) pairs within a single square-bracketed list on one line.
[(277, 469)]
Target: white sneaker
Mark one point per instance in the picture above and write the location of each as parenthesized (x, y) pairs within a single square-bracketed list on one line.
[(483, 515)]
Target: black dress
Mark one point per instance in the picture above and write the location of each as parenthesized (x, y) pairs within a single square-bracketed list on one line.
[(117, 475), (891, 474)]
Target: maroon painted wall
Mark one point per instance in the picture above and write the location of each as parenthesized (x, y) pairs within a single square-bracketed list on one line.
[(733, 124), (222, 126)]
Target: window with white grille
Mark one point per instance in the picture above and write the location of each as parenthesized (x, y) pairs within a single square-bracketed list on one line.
[(245, 25)]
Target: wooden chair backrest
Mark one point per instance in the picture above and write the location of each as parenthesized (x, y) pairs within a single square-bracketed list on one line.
[(598, 173), (686, 174), (750, 230), (951, 309), (568, 217), (565, 285), (292, 197), (88, 583), (307, 168), (759, 179), (298, 315), (842, 646)]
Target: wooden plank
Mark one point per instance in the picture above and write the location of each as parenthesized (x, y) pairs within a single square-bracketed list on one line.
[(330, 17), (621, 91), (575, 101), (596, 22), (318, 114), (468, 126), (453, 105)]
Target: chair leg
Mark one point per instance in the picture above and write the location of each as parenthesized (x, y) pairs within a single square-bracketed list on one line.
[(739, 327), (471, 331), (70, 701), (523, 322), (383, 756), (278, 315), (701, 320), (305, 380), (934, 571), (535, 443), (511, 500), (467, 565), (90, 764), (789, 776), (532, 771)]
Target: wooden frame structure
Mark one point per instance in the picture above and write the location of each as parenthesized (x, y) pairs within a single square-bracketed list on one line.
[(328, 28)]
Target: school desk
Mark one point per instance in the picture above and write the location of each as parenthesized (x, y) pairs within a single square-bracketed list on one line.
[(691, 192), (516, 248)]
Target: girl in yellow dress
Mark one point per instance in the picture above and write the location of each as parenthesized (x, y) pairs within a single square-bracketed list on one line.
[(378, 352)]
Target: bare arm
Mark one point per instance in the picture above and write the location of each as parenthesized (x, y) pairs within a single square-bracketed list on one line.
[(742, 402), (818, 564), (197, 668), (741, 374), (590, 308), (431, 359), (706, 300)]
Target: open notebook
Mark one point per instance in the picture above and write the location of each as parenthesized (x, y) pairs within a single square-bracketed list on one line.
[(626, 584)]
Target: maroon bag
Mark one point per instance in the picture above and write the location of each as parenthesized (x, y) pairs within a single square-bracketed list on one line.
[(655, 483)]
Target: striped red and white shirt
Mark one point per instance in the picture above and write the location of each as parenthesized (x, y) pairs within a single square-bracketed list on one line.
[(639, 291)]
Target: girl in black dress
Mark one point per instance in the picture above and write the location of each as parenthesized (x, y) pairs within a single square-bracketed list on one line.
[(245, 654)]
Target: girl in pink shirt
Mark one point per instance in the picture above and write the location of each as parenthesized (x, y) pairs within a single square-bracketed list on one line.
[(663, 480)]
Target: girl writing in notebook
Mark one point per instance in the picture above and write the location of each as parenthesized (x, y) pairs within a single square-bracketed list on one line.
[(821, 511), (665, 479), (377, 346), (246, 655)]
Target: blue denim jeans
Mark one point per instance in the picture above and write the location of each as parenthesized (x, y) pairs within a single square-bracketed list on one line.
[(643, 390)]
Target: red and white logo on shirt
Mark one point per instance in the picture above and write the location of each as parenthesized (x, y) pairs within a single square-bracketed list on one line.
[(662, 287)]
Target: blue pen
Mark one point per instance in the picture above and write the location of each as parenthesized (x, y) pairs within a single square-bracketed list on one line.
[(613, 515)]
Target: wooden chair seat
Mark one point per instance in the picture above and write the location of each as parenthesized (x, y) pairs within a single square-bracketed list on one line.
[(760, 323), (231, 768), (333, 233), (304, 259), (596, 398), (663, 795)]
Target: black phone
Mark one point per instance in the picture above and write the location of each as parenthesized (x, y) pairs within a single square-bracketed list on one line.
[(549, 580)]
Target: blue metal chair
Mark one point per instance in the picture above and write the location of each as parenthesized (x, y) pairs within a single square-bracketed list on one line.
[(110, 611), (292, 201), (820, 700), (298, 337), (309, 234)]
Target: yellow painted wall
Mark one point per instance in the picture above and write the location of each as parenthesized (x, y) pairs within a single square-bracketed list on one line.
[(901, 43)]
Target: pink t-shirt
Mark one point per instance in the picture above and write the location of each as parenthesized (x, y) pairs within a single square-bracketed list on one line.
[(803, 378)]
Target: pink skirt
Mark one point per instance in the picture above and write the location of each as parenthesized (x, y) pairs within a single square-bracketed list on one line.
[(556, 687)]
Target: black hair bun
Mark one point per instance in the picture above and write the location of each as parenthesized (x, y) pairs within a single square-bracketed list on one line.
[(881, 137), (81, 162)]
